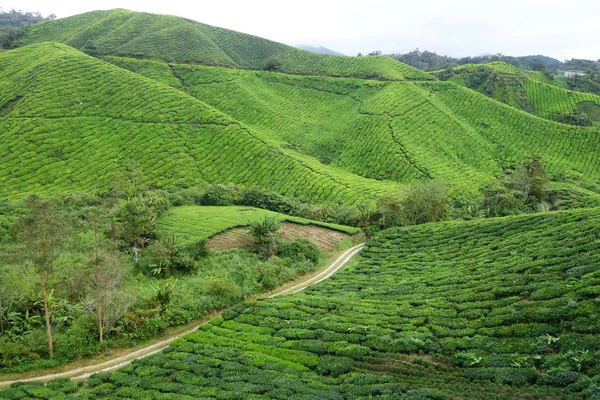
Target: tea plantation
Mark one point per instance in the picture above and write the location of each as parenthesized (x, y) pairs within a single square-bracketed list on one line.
[(174, 39), (193, 223), (489, 309), (70, 122), (531, 91), (400, 131)]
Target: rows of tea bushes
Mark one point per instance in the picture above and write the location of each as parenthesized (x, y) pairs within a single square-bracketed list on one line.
[(193, 223), (567, 151), (505, 68), (400, 131), (530, 91), (487, 309), (70, 122), (175, 39), (550, 101)]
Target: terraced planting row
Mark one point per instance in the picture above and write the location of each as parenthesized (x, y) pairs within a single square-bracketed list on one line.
[(550, 101), (74, 122), (567, 150), (235, 238), (505, 68), (488, 309), (398, 131), (173, 39), (192, 223)]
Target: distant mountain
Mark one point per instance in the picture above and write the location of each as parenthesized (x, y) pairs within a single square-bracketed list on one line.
[(319, 50)]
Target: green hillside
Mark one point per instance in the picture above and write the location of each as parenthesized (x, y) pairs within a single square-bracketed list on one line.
[(439, 311), (400, 131), (71, 122), (192, 223), (174, 39), (530, 91)]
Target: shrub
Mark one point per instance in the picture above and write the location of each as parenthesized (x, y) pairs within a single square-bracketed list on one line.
[(219, 195), (299, 249)]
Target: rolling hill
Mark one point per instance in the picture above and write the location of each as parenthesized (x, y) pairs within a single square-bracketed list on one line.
[(174, 39), (70, 122), (530, 91), (398, 131), (437, 311)]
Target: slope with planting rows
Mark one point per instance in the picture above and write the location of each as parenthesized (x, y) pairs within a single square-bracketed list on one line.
[(71, 122), (530, 91), (399, 131), (486, 309), (193, 223), (142, 35)]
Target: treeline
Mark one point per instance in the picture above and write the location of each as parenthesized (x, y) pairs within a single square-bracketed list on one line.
[(13, 25), (431, 61), (589, 82)]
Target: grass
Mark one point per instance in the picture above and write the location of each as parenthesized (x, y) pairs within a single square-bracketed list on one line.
[(174, 39), (447, 310), (193, 223)]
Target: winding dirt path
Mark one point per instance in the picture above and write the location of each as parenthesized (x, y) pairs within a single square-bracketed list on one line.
[(121, 361)]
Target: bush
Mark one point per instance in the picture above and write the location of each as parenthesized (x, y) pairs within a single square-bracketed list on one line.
[(299, 249), (219, 195), (334, 366)]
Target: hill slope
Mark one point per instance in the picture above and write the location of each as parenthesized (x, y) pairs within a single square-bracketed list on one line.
[(174, 39), (438, 311), (70, 122), (400, 131), (530, 91)]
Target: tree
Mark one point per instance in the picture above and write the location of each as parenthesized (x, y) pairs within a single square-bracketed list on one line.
[(105, 296), (425, 202), (263, 235), (43, 233), (389, 210), (273, 64), (531, 180)]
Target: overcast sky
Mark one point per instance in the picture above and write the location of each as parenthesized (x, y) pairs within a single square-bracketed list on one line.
[(561, 29)]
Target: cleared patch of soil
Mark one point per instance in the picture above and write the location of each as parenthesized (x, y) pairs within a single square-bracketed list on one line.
[(235, 238)]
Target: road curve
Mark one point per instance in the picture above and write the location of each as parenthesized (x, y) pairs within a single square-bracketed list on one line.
[(121, 361)]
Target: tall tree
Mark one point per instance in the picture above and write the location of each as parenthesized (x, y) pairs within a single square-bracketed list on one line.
[(43, 233), (106, 298)]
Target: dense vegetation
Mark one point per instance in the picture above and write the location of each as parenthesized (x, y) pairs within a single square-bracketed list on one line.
[(174, 39), (169, 131), (529, 91), (77, 123), (402, 142), (450, 310), (13, 26), (100, 272), (430, 61)]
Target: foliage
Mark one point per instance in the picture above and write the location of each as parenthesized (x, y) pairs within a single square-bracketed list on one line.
[(298, 250), (43, 234), (263, 233), (454, 309), (425, 202), (524, 190)]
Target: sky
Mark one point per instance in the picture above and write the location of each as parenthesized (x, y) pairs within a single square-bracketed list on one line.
[(458, 28)]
